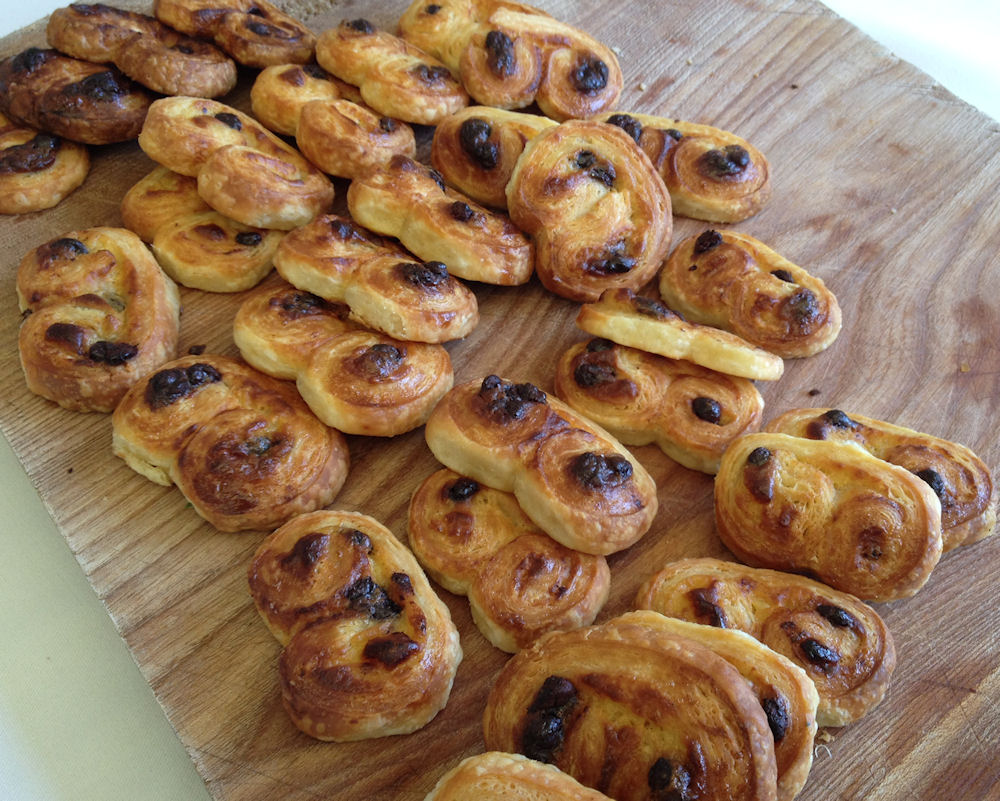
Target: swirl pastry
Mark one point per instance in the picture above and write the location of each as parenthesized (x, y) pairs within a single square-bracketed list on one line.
[(355, 380), (735, 282), (74, 99), (99, 315), (511, 55), (640, 322), (409, 201), (254, 32), (477, 541), (636, 712), (574, 480), (385, 288), (143, 48), (958, 477), (280, 91), (37, 170), (369, 649), (242, 447), (690, 412), (475, 149), (244, 171), (158, 198), (595, 207), (840, 642), (711, 174), (831, 510), (394, 77)]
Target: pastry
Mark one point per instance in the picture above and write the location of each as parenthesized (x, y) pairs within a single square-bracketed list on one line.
[(711, 174), (692, 413), (143, 48), (573, 479), (735, 282), (958, 477), (254, 32), (354, 379), (369, 649), (99, 315), (475, 149), (280, 91), (385, 288), (159, 198), (511, 55), (840, 642), (640, 322), (595, 207), (74, 99), (476, 541), (409, 201), (242, 447), (828, 509), (394, 77), (636, 712), (37, 170), (244, 171)]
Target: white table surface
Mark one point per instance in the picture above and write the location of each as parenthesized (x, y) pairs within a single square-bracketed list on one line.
[(77, 720)]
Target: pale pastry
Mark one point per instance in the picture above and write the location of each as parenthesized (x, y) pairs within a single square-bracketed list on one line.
[(37, 170)]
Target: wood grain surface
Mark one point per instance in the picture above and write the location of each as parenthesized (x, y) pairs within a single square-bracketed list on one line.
[(885, 186)]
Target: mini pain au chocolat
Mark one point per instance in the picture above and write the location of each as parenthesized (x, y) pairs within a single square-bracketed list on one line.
[(369, 649), (573, 479), (841, 643), (830, 510), (280, 91), (477, 541), (37, 170), (158, 198), (242, 447)]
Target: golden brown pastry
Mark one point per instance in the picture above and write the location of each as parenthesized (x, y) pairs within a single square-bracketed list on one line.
[(828, 509), (495, 776), (74, 99), (511, 55), (574, 480), (640, 322), (477, 541), (254, 32), (386, 289), (37, 170), (692, 413), (475, 149), (280, 91), (242, 447), (635, 712), (99, 315), (409, 201), (711, 174), (354, 379), (595, 207), (735, 282), (158, 198), (395, 78), (244, 171), (841, 643), (958, 477), (143, 48), (369, 649)]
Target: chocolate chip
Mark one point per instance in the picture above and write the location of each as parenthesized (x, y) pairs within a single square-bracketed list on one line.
[(249, 238), (360, 25), (368, 598), (590, 75), (263, 29), (818, 654), (101, 86), (229, 119), (545, 725), (431, 74), (706, 608), (585, 159), (507, 401), (32, 156), (387, 124), (462, 489), (307, 551), (836, 616), (627, 123), (436, 177), (429, 275), (433, 8), (731, 160), (390, 649), (837, 418), (358, 539), (30, 59), (783, 275), (63, 249), (802, 307), (934, 480), (707, 409), (588, 374), (114, 354), (776, 710), (380, 360), (461, 211), (706, 241), (171, 385), (69, 333), (598, 344), (316, 71), (500, 56), (599, 470), (473, 136), (668, 781), (759, 456)]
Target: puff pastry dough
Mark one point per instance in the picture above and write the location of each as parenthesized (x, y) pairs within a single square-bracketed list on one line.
[(369, 649), (840, 642), (158, 198), (574, 480), (37, 170), (829, 509)]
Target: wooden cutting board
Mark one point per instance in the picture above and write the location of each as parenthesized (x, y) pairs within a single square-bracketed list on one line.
[(885, 185)]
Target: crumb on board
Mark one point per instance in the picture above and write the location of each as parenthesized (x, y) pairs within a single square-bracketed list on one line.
[(812, 393), (689, 62), (642, 86), (616, 50), (964, 367), (824, 737), (892, 210)]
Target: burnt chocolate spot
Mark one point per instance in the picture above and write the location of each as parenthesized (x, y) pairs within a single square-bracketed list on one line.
[(707, 409), (461, 211), (69, 333), (801, 307), (462, 489), (585, 159), (380, 360), (435, 176), (113, 354), (100, 86), (256, 11), (627, 123), (650, 307), (836, 616), (598, 344), (599, 470), (730, 160), (590, 374), (605, 175), (545, 724), (307, 552), (474, 137), (783, 275), (934, 481), (706, 608), (818, 654), (429, 275), (387, 124), (668, 781), (431, 74), (346, 231), (871, 542), (299, 304), (433, 8), (368, 598), (358, 539), (31, 156), (674, 134), (30, 59), (708, 240), (778, 721), (316, 71), (590, 75), (391, 649), (500, 56), (261, 28), (230, 120), (508, 401), (759, 457), (360, 25), (613, 262), (64, 249), (402, 583), (249, 238), (170, 385)]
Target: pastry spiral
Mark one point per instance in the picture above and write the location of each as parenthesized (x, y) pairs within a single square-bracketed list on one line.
[(829, 509), (573, 479), (158, 198), (37, 170), (476, 541), (735, 282), (840, 642), (242, 447), (690, 412), (369, 649), (280, 91), (99, 315), (409, 201), (595, 207)]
